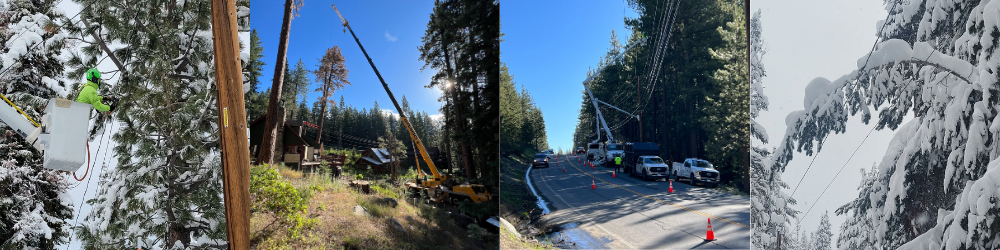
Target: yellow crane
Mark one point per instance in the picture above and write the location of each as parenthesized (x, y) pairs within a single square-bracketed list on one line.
[(438, 187)]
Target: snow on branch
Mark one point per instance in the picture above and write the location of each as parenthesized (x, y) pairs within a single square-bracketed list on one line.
[(895, 51)]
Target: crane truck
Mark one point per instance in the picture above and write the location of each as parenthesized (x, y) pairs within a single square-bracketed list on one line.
[(438, 186)]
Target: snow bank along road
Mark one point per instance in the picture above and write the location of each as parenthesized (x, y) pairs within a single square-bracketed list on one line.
[(626, 212)]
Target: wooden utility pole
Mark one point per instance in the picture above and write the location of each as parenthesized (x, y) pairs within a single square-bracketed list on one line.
[(232, 124), (267, 144)]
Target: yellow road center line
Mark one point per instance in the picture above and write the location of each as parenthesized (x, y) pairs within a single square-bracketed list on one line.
[(659, 200)]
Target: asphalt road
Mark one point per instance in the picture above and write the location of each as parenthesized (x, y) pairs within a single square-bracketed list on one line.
[(628, 213)]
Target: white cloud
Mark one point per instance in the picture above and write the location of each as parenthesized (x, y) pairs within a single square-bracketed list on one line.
[(390, 37), (390, 113), (437, 117)]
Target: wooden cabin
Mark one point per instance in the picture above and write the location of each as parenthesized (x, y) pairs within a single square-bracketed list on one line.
[(378, 159), (296, 149)]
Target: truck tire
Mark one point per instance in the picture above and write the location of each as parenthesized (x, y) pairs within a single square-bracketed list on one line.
[(645, 176), (692, 180)]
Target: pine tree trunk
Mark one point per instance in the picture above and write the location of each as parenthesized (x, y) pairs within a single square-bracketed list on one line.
[(460, 122), (322, 117), (746, 170), (270, 129)]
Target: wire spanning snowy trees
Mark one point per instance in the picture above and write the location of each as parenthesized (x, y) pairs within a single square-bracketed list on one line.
[(166, 191), (938, 181)]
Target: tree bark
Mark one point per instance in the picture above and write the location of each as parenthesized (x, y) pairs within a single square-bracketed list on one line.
[(460, 122), (267, 144), (746, 170)]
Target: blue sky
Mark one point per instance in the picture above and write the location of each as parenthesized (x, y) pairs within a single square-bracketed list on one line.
[(549, 52), (389, 30)]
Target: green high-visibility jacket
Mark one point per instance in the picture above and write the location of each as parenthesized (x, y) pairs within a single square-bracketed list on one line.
[(89, 95), (618, 160)]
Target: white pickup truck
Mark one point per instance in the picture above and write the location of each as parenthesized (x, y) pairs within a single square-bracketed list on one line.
[(697, 170), (650, 167)]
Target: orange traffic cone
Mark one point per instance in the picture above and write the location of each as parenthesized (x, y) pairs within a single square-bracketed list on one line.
[(710, 236), (613, 175), (564, 169), (593, 185), (671, 189)]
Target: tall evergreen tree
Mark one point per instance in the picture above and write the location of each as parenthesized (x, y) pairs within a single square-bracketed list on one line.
[(725, 118), (166, 190), (33, 199), (331, 74), (462, 42), (255, 99), (770, 206), (823, 238)]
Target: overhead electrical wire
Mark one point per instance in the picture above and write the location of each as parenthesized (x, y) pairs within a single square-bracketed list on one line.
[(893, 9)]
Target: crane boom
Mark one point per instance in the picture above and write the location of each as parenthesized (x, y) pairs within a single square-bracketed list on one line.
[(597, 108), (402, 115), (623, 111)]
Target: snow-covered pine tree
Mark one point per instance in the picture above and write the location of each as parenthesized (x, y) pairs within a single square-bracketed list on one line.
[(33, 42), (33, 200), (855, 232), (822, 238), (770, 206), (936, 61), (166, 190)]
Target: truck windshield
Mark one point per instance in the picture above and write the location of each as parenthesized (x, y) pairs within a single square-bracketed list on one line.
[(593, 146), (614, 147), (655, 160), (704, 164)]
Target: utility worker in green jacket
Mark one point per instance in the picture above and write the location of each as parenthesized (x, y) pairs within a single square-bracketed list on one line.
[(618, 162), (89, 92)]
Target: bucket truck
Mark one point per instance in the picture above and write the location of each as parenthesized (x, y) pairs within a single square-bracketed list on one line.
[(601, 152)]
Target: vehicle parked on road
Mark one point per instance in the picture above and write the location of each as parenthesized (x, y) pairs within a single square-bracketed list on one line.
[(580, 150), (633, 150), (651, 168), (611, 150), (594, 150), (541, 159), (697, 171)]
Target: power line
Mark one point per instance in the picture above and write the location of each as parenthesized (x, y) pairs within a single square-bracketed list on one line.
[(83, 198), (877, 38), (838, 173)]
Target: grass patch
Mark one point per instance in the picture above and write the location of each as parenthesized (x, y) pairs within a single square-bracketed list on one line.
[(517, 203), (375, 208), (289, 173), (331, 206), (731, 189)]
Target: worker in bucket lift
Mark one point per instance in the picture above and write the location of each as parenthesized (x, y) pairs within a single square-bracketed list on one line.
[(88, 94)]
